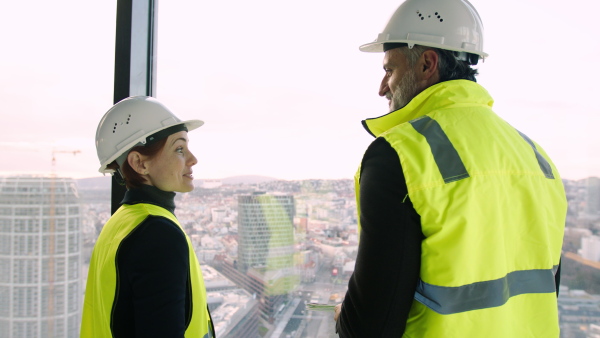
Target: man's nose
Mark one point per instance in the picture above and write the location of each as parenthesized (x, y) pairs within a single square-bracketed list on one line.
[(384, 88)]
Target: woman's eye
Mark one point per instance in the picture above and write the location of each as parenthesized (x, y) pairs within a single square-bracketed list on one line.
[(179, 150)]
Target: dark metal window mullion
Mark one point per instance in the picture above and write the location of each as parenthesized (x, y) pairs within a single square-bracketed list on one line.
[(135, 60)]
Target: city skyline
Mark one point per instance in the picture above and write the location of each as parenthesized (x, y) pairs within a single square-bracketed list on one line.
[(325, 237)]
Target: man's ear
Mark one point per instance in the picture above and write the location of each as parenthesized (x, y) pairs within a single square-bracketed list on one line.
[(138, 162), (429, 66)]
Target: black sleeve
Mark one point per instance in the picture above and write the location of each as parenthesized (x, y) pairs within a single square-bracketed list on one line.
[(154, 273), (381, 289), (557, 277)]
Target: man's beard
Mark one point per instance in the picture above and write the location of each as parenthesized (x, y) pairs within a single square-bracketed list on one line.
[(406, 90)]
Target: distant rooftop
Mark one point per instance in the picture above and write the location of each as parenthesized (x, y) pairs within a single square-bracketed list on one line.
[(233, 303)]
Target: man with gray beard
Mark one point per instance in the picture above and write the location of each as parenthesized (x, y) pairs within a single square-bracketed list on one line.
[(461, 216), (406, 89)]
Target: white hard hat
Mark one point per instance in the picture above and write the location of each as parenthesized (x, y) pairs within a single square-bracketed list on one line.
[(452, 25), (129, 123)]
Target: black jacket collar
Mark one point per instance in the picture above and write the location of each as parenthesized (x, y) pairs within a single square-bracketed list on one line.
[(151, 195)]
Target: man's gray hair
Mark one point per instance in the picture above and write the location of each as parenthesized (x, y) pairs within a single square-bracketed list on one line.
[(450, 68)]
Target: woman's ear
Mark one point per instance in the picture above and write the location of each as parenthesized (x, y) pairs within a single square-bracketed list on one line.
[(138, 162)]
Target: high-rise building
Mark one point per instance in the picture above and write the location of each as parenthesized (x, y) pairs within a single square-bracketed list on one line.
[(592, 196), (265, 248), (590, 248), (265, 227), (40, 257)]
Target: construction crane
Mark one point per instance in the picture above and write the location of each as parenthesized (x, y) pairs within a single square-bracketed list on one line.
[(51, 239), (54, 152)]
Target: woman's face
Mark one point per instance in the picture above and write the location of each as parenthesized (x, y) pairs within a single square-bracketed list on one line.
[(171, 168)]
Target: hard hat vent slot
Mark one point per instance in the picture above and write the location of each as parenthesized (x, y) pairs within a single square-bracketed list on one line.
[(116, 124), (435, 16)]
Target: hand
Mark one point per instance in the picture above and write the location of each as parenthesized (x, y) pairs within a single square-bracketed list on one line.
[(336, 311)]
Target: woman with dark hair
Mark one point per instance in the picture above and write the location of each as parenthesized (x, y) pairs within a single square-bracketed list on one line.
[(144, 278)]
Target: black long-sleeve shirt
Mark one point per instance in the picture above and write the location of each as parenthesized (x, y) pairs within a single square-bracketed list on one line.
[(153, 295), (381, 289)]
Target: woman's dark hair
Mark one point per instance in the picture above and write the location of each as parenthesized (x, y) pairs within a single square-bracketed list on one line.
[(131, 177)]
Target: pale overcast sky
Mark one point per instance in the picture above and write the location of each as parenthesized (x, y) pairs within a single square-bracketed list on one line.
[(281, 85)]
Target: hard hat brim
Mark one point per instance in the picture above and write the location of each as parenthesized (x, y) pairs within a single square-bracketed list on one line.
[(377, 47), (372, 47)]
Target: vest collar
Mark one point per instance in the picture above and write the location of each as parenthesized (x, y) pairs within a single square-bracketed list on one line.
[(150, 195), (438, 96)]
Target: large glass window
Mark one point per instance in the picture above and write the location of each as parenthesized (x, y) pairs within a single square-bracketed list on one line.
[(282, 88)]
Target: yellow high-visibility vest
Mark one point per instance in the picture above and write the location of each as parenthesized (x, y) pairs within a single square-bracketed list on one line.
[(102, 276), (492, 208)]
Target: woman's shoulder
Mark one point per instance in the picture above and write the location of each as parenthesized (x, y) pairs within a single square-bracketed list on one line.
[(154, 237), (160, 227)]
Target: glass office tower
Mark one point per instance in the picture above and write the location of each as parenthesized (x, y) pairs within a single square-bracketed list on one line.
[(40, 257), (265, 248)]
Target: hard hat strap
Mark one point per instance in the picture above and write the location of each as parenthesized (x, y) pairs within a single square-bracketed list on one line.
[(470, 58), (165, 133), (119, 177), (391, 45), (152, 139)]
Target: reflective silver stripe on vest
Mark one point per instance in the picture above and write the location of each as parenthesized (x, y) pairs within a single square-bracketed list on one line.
[(544, 165), (483, 295), (446, 157)]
